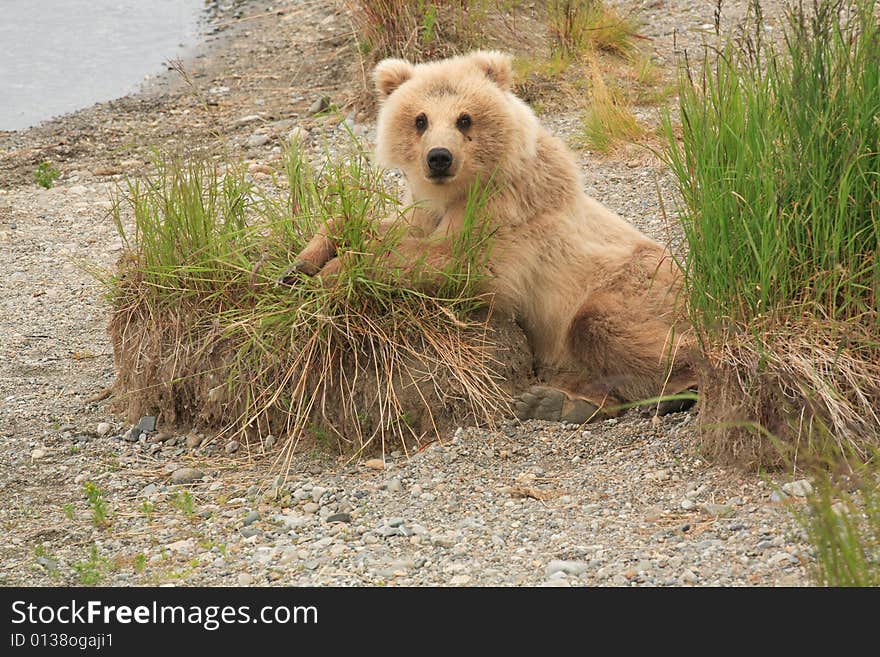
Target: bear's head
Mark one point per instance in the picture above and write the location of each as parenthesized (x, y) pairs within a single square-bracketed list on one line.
[(448, 123)]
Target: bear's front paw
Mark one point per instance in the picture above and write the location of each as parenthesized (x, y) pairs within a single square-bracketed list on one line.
[(295, 272)]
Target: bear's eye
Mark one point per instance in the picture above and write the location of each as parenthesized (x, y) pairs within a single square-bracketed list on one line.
[(464, 122), (421, 122)]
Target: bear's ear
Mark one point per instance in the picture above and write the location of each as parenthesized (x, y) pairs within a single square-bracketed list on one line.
[(390, 74), (497, 66)]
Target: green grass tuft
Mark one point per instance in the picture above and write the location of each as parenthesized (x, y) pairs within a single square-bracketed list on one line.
[(842, 522), (584, 26), (608, 120), (417, 29), (778, 174), (45, 174), (204, 335)]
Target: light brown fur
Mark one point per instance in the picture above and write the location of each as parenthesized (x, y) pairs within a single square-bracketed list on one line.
[(597, 298)]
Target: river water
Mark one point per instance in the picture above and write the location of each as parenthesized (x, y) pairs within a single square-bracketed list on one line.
[(57, 56)]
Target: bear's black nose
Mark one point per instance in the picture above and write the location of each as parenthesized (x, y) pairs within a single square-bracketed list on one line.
[(439, 160)]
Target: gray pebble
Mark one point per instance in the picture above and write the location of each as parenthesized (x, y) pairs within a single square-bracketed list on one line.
[(575, 568), (319, 105), (186, 475), (800, 488), (147, 424), (251, 518), (148, 490), (339, 517), (257, 140)]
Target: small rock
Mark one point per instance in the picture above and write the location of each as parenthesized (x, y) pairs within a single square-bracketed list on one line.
[(297, 134), (375, 464), (687, 504), (38, 454), (245, 579), (575, 568), (147, 424), (251, 518), (296, 521), (395, 522), (184, 546), (261, 168), (393, 485), (250, 118), (339, 517), (716, 510), (800, 488), (778, 496), (247, 532), (310, 507), (186, 475), (257, 140), (193, 440), (460, 580), (688, 577), (442, 541), (231, 447), (103, 428), (782, 558), (48, 564), (319, 105), (149, 489)]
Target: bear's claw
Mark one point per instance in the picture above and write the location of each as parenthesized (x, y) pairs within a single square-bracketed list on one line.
[(543, 403), (290, 276)]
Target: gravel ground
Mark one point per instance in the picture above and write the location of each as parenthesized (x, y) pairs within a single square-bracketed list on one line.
[(627, 502)]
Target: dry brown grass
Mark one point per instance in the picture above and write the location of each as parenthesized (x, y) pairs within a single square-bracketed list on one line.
[(204, 338), (810, 392)]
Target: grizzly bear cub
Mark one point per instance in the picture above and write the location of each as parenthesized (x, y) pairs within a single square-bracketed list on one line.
[(597, 299)]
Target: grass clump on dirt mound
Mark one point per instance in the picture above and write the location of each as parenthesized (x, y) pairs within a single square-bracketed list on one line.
[(203, 336), (417, 29), (778, 173)]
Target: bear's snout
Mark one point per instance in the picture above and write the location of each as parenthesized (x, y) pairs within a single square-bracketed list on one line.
[(439, 162)]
